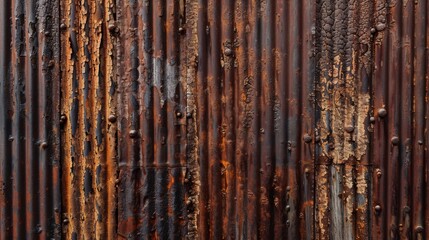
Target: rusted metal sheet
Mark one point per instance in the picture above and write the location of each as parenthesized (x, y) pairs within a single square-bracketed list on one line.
[(254, 106), (152, 119), (88, 119), (30, 199), (237, 119)]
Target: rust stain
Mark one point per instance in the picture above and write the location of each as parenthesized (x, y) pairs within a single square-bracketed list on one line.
[(213, 119)]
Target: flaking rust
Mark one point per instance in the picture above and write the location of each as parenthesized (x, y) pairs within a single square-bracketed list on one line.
[(344, 105), (340, 89), (192, 176)]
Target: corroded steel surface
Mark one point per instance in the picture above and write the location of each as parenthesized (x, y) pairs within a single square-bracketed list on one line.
[(88, 128), (210, 119), (30, 197)]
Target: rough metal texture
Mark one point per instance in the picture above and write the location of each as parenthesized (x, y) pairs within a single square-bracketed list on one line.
[(30, 198), (210, 119), (88, 129)]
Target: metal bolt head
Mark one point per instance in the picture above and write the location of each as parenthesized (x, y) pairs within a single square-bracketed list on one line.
[(407, 209), (307, 138), (377, 208), (44, 145), (382, 112), (287, 208), (378, 172), (65, 220), (39, 229), (179, 114), (63, 26), (228, 51), (395, 140), (420, 142), (112, 118), (63, 119), (112, 27), (419, 229), (373, 30), (349, 128), (307, 170), (133, 133), (372, 119), (182, 30)]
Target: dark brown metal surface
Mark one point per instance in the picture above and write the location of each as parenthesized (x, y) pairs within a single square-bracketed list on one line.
[(30, 198), (212, 119)]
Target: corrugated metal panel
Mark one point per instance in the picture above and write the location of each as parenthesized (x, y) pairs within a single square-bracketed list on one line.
[(400, 137), (30, 201), (206, 119), (254, 105), (88, 113), (152, 122)]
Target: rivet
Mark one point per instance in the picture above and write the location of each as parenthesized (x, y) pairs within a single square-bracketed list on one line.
[(44, 145), (189, 115), (11, 138), (307, 138), (349, 128), (307, 170), (377, 208), (133, 133), (287, 208), (372, 119), (373, 30), (419, 229), (420, 142), (65, 220), (38, 229), (378, 172), (181, 30), (382, 112), (112, 118), (63, 119), (179, 114), (395, 140), (407, 209), (112, 27), (47, 33), (262, 130), (288, 188), (63, 26), (380, 26), (317, 139), (228, 51)]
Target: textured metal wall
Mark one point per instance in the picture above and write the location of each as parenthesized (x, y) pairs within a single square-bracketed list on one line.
[(88, 109), (30, 197), (210, 119)]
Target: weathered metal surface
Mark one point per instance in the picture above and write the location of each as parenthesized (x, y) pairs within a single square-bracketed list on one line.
[(30, 204), (238, 119), (88, 112), (152, 119), (255, 77)]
